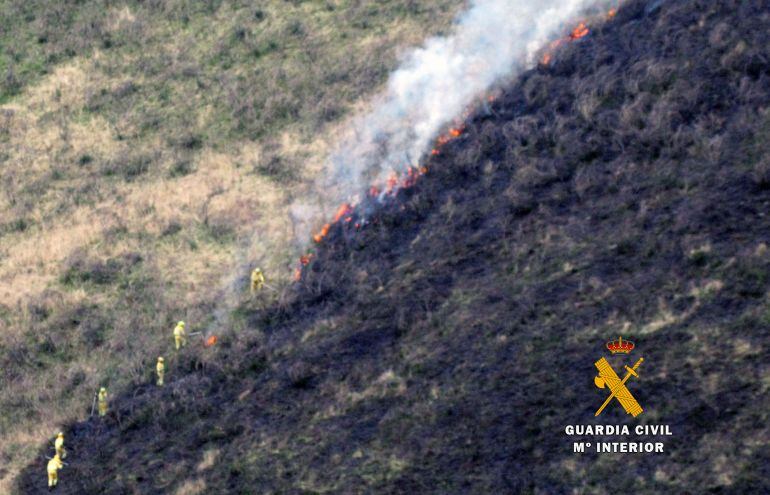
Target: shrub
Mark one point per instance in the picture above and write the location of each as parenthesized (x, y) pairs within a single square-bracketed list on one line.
[(85, 159), (129, 167), (181, 168), (81, 270)]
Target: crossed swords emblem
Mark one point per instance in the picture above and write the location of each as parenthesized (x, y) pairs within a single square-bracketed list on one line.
[(607, 377)]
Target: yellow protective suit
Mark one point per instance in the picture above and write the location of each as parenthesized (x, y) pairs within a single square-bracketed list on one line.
[(53, 467), (160, 368), (102, 401), (257, 280), (180, 337), (58, 445)]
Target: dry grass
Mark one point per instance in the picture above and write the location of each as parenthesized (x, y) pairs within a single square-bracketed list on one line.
[(209, 459), (192, 487), (26, 437), (175, 138), (220, 191)]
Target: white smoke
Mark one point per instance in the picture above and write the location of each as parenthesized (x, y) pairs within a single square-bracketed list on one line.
[(492, 40)]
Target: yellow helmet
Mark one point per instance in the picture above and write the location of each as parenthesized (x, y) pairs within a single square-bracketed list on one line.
[(102, 389), (60, 435), (181, 323), (160, 359), (258, 270)]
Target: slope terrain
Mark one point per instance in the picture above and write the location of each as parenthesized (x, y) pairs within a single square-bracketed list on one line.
[(443, 347), (142, 145)]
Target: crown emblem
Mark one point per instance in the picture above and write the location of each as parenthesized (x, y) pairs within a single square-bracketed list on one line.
[(620, 346)]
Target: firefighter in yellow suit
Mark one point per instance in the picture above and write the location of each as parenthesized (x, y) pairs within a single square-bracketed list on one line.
[(160, 368), (58, 445), (102, 401), (257, 280), (53, 467), (180, 337)]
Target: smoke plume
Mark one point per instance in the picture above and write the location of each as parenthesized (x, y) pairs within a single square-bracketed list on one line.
[(492, 40)]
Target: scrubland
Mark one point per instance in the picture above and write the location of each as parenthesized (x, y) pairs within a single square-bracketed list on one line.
[(148, 151), (621, 189)]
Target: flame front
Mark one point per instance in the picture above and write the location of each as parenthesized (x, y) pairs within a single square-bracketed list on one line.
[(304, 260), (393, 183), (411, 175), (322, 233), (343, 211), (579, 31), (452, 133)]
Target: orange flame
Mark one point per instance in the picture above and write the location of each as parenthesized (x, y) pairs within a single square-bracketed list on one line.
[(322, 233), (443, 139), (409, 178), (391, 183), (305, 259), (343, 211), (580, 31), (210, 341), (551, 47)]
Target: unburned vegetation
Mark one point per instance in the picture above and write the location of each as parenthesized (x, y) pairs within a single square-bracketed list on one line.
[(142, 146)]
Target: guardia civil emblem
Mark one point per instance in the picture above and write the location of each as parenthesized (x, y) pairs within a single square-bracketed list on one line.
[(609, 379)]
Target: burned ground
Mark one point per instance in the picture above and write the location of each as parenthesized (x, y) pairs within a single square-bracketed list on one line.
[(623, 188)]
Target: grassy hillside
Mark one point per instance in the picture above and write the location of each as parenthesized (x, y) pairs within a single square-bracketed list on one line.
[(141, 143), (443, 348)]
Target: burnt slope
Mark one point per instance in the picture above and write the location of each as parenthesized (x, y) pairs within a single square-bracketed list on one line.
[(444, 347)]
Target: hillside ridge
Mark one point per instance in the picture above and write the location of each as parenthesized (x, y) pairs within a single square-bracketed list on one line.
[(623, 188)]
